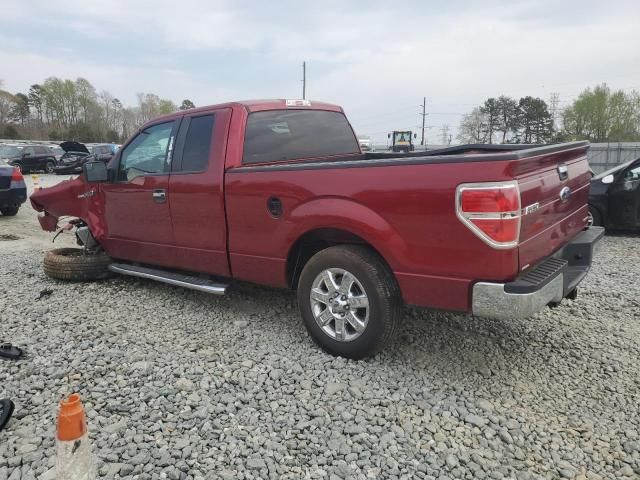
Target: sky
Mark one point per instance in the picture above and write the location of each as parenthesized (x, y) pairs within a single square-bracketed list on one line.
[(377, 59)]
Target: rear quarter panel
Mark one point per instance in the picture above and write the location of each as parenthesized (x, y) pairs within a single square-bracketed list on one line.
[(407, 213)]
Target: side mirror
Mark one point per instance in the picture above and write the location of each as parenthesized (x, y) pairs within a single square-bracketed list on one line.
[(608, 179), (415, 135), (95, 172), (388, 135)]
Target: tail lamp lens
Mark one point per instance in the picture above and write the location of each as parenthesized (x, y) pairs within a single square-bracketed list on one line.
[(16, 176), (491, 211)]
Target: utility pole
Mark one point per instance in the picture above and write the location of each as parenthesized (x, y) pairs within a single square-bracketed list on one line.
[(304, 80), (424, 116), (445, 134)]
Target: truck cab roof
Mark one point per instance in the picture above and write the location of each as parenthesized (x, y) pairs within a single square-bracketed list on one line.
[(256, 106)]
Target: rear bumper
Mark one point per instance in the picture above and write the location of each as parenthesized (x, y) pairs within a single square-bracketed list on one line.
[(13, 197), (548, 282)]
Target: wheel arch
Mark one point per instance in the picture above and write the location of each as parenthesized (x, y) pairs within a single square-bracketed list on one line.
[(328, 221), (317, 239)]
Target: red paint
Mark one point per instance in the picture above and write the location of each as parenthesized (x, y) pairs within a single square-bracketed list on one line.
[(217, 222)]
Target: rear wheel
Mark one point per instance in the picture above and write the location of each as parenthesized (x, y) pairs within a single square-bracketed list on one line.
[(349, 301), (75, 264), (49, 167), (9, 211)]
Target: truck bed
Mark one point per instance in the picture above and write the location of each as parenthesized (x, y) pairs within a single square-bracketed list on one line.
[(408, 203)]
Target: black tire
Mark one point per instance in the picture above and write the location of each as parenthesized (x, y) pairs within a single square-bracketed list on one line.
[(49, 167), (380, 286), (9, 211), (73, 264), (596, 217)]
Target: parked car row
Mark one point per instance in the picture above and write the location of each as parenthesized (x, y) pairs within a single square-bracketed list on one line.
[(64, 158)]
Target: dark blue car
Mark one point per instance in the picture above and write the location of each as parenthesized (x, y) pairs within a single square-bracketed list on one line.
[(13, 191)]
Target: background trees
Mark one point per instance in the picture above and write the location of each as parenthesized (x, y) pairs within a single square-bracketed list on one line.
[(63, 109), (598, 115), (505, 120)]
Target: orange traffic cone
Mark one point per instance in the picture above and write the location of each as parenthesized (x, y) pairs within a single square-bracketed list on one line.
[(74, 460)]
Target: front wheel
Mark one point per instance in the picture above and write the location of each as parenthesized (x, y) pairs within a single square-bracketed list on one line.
[(49, 167), (350, 301), (74, 264)]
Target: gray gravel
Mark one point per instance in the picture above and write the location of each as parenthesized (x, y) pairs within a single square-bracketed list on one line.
[(182, 385)]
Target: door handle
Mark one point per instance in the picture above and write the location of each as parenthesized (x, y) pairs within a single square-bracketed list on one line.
[(159, 196)]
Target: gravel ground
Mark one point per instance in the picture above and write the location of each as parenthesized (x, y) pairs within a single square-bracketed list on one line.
[(182, 385)]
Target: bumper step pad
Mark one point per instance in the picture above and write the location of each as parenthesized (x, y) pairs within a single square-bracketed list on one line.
[(537, 277)]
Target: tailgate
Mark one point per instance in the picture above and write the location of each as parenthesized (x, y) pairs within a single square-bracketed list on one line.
[(554, 203)]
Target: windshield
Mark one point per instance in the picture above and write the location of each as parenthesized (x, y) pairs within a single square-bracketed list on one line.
[(402, 138), (7, 151)]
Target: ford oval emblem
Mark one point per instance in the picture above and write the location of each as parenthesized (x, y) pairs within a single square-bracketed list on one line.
[(565, 194)]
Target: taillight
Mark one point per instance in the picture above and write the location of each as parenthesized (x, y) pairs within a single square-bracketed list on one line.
[(491, 211), (16, 176)]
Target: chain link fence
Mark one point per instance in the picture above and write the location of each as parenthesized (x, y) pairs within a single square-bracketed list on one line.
[(603, 156)]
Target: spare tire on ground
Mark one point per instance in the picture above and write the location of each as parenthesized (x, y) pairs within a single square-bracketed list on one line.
[(75, 264)]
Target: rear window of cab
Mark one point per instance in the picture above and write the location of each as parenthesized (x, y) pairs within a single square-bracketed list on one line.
[(281, 135)]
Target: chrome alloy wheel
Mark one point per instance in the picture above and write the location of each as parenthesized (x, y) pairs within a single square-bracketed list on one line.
[(339, 304)]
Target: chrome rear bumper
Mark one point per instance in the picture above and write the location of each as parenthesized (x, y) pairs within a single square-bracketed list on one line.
[(548, 282)]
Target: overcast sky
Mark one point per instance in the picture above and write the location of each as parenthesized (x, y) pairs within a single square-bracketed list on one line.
[(375, 58)]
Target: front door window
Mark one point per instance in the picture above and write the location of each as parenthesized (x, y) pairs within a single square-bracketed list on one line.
[(147, 153)]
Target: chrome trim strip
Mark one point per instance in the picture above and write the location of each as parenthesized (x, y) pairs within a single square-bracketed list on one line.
[(213, 289)]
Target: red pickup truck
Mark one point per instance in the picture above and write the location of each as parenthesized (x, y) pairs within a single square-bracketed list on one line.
[(278, 193)]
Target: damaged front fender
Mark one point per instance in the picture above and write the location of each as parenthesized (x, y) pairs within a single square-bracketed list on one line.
[(73, 198)]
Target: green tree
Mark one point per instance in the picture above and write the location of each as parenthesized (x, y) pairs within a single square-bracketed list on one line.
[(86, 96), (10, 132), (7, 103), (491, 111), (35, 100), (187, 104), (536, 123), (508, 118), (166, 106), (20, 111), (600, 115)]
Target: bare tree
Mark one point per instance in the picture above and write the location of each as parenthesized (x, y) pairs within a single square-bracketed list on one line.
[(473, 127)]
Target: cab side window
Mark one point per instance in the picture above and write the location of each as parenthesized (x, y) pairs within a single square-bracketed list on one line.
[(194, 144), (147, 153)]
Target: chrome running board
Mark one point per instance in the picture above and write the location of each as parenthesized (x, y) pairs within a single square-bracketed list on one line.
[(171, 278)]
